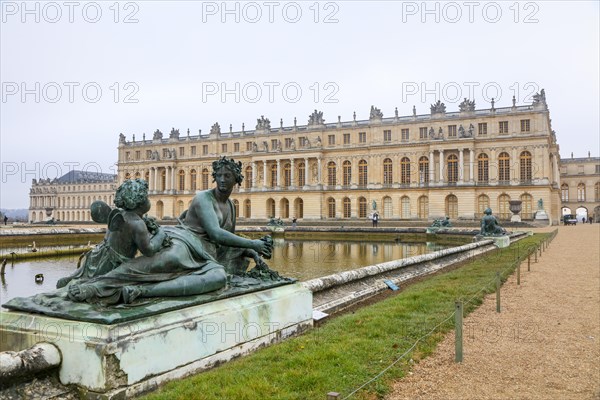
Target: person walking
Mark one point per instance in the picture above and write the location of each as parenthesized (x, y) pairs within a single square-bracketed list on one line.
[(5, 219)]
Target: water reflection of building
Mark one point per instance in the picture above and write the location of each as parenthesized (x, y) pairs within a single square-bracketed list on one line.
[(69, 197), (413, 167), (580, 186)]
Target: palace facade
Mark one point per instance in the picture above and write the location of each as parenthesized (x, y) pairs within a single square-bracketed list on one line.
[(69, 197), (580, 186), (415, 167)]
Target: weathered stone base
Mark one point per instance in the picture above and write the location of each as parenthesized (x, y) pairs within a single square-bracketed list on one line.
[(125, 359), (500, 241)]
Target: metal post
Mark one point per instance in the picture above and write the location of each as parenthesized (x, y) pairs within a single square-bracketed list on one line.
[(497, 291), (458, 329), (535, 253), (519, 273), (529, 263)]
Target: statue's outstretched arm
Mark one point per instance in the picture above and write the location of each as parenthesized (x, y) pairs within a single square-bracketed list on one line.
[(148, 244)]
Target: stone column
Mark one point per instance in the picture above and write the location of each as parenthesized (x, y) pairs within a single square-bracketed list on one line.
[(188, 179), (292, 173), (441, 180), (278, 173), (173, 178), (319, 181), (471, 165), (461, 166), (555, 165), (265, 174), (254, 180), (306, 171), (431, 167)]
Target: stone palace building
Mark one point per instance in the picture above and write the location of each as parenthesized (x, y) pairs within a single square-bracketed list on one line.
[(415, 167), (580, 186), (68, 198)]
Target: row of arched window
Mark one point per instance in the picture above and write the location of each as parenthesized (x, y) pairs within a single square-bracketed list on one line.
[(348, 208), (408, 169), (581, 196)]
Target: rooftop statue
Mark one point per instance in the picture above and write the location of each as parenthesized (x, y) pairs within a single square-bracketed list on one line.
[(157, 135), (215, 129), (438, 107), (263, 123), (203, 251), (490, 225), (466, 105), (375, 113), (316, 118)]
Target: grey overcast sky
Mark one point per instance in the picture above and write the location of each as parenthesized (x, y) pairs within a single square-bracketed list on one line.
[(76, 74)]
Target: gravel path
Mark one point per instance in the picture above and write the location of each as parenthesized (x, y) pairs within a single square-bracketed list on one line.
[(545, 344)]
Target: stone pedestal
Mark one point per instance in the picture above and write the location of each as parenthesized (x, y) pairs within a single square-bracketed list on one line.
[(128, 358)]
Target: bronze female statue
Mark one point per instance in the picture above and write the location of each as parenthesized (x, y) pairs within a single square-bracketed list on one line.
[(203, 249)]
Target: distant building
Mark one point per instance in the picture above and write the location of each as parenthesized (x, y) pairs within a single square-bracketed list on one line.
[(69, 197), (580, 186), (415, 167)]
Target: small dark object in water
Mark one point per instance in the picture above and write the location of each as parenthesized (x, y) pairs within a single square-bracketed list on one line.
[(39, 278)]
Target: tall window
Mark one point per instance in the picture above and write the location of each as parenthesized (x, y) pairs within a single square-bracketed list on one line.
[(163, 179), (285, 208), (404, 133), (483, 168), (287, 175), (405, 207), (503, 127), (362, 173), (248, 178), (181, 179), (482, 128), (452, 168), (236, 207), (301, 174), (331, 174), (503, 167), (270, 208), (193, 150), (564, 191), (147, 177), (387, 135), (387, 207), (224, 148), (347, 173), (205, 179), (362, 137), (273, 175), (525, 125), (423, 133), (525, 164), (597, 191), (423, 170), (194, 183), (331, 140), (387, 172), (346, 138), (405, 170), (362, 207), (247, 208), (451, 131), (347, 208), (581, 192), (236, 147), (299, 206), (423, 207), (204, 149), (331, 207), (483, 202), (503, 207), (452, 206), (526, 206)]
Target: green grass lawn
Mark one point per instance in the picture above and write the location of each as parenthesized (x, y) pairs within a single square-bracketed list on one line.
[(349, 350)]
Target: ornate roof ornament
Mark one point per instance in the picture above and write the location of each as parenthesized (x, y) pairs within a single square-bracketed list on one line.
[(375, 113), (174, 134), (467, 105), (215, 129), (438, 108), (157, 135), (263, 124), (316, 118), (539, 99)]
